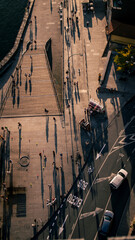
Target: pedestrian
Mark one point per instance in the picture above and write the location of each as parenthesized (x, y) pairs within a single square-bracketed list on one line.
[(79, 71), (40, 154), (45, 160), (19, 125), (54, 119), (99, 77), (46, 111), (77, 84)]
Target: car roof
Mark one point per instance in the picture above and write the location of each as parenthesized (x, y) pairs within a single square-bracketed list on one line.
[(109, 213)]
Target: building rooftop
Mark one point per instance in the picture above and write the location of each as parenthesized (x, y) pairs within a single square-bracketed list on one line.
[(124, 11), (122, 29)]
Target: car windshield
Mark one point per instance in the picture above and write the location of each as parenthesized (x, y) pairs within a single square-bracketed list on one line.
[(121, 174)]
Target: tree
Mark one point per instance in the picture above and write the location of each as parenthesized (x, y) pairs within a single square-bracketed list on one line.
[(125, 59)]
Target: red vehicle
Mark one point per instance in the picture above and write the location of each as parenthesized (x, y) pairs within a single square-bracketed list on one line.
[(94, 107)]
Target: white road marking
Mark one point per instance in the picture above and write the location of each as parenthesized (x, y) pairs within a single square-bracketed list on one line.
[(99, 154), (121, 154), (82, 184), (98, 180), (124, 141), (62, 227), (94, 213), (74, 200)]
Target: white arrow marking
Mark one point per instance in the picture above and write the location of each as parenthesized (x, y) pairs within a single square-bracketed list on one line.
[(94, 213), (62, 227), (99, 154), (121, 154)]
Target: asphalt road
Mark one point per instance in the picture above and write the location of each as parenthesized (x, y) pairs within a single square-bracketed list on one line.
[(80, 215)]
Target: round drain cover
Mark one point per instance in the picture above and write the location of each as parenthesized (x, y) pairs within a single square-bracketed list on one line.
[(24, 161)]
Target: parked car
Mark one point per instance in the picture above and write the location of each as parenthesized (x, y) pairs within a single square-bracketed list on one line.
[(119, 178), (106, 223)]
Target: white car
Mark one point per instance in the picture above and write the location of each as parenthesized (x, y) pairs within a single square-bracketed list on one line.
[(118, 179)]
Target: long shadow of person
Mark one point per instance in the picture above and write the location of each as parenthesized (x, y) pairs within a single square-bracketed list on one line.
[(47, 128), (14, 96), (20, 76), (20, 138), (55, 135), (78, 31), (61, 26), (26, 84), (35, 27), (75, 94), (51, 8), (42, 182), (31, 68), (78, 92), (17, 72), (30, 86), (18, 98), (89, 36)]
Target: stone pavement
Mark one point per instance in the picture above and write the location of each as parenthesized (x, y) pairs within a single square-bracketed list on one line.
[(49, 175)]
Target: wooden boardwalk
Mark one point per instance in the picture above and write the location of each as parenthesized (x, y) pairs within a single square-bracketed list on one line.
[(35, 91)]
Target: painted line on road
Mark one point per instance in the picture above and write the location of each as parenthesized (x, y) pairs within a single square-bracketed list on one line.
[(74, 225)]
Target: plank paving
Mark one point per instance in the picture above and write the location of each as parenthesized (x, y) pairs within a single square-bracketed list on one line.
[(33, 93)]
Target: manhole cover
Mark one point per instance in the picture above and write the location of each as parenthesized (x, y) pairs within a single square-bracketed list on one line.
[(24, 161)]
